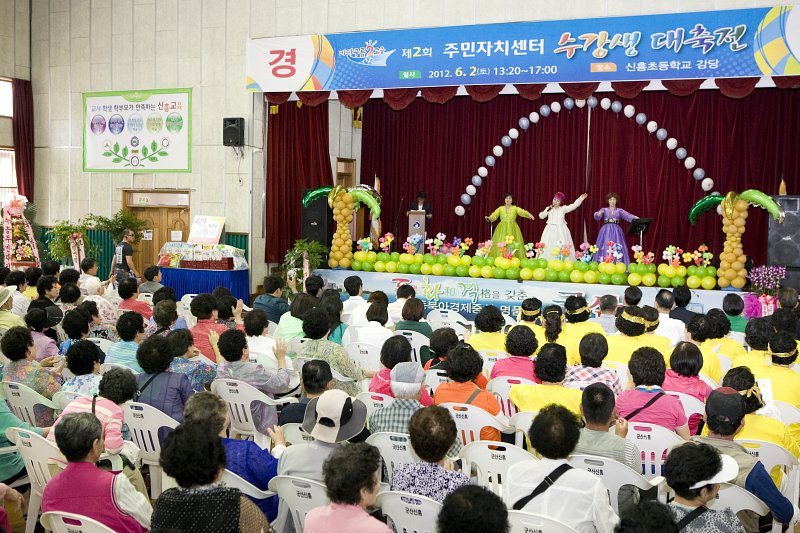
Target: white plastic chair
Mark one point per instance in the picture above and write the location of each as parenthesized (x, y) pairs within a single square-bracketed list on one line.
[(653, 441), (510, 322), (59, 522), (442, 318), (21, 399), (293, 346), (35, 451), (103, 344), (772, 455), (271, 327), (187, 299), (725, 363), (144, 421), (146, 297), (295, 434), (789, 413), (491, 461), (501, 388), (395, 448), (63, 398), (263, 359), (621, 369), (521, 423), (240, 396), (417, 340), (374, 401), (105, 367), (738, 337), (708, 381), (738, 499), (522, 522), (409, 512), (691, 405), (300, 495), (490, 357), (365, 355), (614, 475), (235, 481), (470, 419), (434, 378)]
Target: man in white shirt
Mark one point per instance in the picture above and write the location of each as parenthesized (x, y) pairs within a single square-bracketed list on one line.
[(21, 302), (355, 288), (404, 292), (670, 328), (608, 314), (569, 495)]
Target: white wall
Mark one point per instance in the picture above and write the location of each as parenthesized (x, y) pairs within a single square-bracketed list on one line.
[(96, 45), (15, 39)]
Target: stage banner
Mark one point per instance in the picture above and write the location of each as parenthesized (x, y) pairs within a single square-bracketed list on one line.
[(467, 295), (709, 44), (138, 131)]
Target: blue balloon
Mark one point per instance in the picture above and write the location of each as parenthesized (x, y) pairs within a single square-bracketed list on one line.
[(506, 141), (661, 134), (591, 101), (616, 107), (681, 153), (489, 160), (524, 123), (641, 119), (569, 103), (466, 199), (699, 174), (477, 181), (544, 110)]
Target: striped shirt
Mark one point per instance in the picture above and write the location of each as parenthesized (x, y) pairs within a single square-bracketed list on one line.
[(124, 353), (107, 412)]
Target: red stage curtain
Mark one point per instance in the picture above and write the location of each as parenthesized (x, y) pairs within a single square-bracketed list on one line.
[(439, 95), (629, 89), (313, 98), (277, 98), (787, 82), (22, 126), (297, 159), (530, 91), (354, 99), (437, 148), (399, 99), (579, 91), (736, 87), (682, 87), (483, 93)]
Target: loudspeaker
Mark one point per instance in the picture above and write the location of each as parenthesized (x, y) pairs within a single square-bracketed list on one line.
[(317, 221), (233, 131), (783, 242)]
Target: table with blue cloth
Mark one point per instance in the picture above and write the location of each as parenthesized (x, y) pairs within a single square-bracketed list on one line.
[(196, 281)]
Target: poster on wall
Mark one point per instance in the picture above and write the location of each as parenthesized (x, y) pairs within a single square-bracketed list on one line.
[(708, 44), (138, 131)]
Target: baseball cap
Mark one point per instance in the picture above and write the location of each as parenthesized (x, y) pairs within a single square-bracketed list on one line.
[(725, 404), (334, 417), (407, 372)]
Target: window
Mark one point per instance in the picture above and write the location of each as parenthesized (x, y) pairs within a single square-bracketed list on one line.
[(8, 174), (6, 101)]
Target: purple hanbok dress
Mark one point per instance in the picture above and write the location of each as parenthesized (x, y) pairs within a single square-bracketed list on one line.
[(611, 231)]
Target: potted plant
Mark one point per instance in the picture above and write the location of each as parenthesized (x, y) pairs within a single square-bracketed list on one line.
[(117, 225), (68, 240), (765, 281), (305, 256)]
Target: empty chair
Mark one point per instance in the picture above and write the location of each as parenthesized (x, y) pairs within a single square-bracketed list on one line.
[(144, 422), (522, 522), (501, 388), (301, 495), (22, 399), (442, 318), (374, 401), (395, 448), (187, 298), (490, 357), (491, 460), (367, 356), (614, 475), (471, 419), (58, 522), (653, 441), (417, 340), (409, 512)]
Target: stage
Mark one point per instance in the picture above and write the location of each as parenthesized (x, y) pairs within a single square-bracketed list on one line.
[(469, 295)]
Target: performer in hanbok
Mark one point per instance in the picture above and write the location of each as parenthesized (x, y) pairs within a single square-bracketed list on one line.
[(611, 230), (507, 213), (556, 229)]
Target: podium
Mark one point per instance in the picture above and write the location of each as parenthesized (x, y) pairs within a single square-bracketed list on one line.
[(416, 226)]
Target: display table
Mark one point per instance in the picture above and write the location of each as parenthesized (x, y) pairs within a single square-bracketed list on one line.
[(194, 281)]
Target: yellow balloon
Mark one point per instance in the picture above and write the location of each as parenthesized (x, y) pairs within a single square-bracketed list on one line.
[(336, 212), (723, 283), (738, 283), (347, 198), (345, 248), (620, 268), (337, 241), (345, 263), (338, 205), (337, 255), (709, 282), (730, 275), (724, 265), (739, 222), (346, 212), (740, 205), (333, 263)]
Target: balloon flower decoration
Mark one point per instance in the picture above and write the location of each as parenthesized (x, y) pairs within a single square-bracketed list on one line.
[(345, 202), (733, 208)]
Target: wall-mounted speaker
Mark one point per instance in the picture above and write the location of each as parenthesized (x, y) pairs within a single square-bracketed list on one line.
[(233, 131)]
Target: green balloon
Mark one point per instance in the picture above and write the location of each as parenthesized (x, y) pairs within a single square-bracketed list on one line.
[(429, 259), (499, 273), (383, 256), (678, 281), (551, 275), (449, 270), (395, 256), (478, 261), (403, 268), (563, 276), (512, 273), (663, 281), (541, 263), (711, 271), (356, 265), (604, 278), (593, 266), (651, 268), (618, 279), (441, 259), (414, 268), (581, 266), (366, 266), (691, 271), (462, 270), (701, 272)]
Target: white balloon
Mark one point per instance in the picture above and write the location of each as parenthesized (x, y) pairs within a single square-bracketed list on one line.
[(497, 150), (672, 143), (460, 210), (556, 107), (482, 172), (471, 190), (580, 103), (719, 209), (605, 103), (534, 117), (629, 111), (689, 163), (513, 133), (707, 184), (652, 126)]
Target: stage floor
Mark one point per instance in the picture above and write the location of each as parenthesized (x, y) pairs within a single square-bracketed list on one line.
[(469, 295)]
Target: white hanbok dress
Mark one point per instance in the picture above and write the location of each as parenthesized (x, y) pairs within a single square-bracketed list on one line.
[(556, 229)]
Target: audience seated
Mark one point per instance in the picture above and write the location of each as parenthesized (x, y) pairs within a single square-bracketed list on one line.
[(315, 328), (96, 327), (166, 391), (166, 293), (313, 286), (186, 360), (733, 306), (719, 342), (290, 325), (608, 314), (331, 303), (204, 308), (785, 319), (352, 481), (593, 348), (226, 310), (757, 335), (8, 319), (89, 267), (683, 376), (271, 303), (569, 495), (84, 489), (699, 330), (76, 326), (270, 381), (83, 360), (395, 350), (315, 379), (355, 288), (599, 414), (376, 331), (784, 379), (521, 345), (358, 316), (243, 457), (694, 472), (490, 323), (68, 275), (631, 326), (255, 326), (649, 516), (152, 275), (473, 509), (671, 328), (128, 290), (682, 298), (648, 402), (130, 327), (725, 413), (530, 313), (42, 376), (20, 303), (12, 467), (442, 341), (577, 325), (165, 315), (412, 321), (108, 311), (551, 367), (51, 268), (395, 309), (432, 431), (332, 418), (787, 299), (40, 320), (195, 456), (32, 275), (463, 366), (651, 338), (68, 296), (47, 292), (632, 296)]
